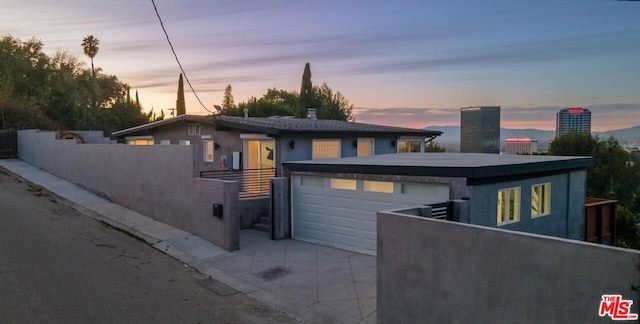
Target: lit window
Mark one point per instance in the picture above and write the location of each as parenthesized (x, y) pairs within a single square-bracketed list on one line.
[(365, 146), (185, 142), (208, 151), (165, 142), (508, 206), (345, 184), (312, 181), (540, 200), (194, 129), (412, 145), (325, 149), (140, 140), (377, 186)]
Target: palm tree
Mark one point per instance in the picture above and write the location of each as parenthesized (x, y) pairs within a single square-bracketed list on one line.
[(90, 47)]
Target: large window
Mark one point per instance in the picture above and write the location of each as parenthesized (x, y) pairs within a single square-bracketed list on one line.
[(194, 129), (325, 149), (365, 146), (540, 199), (377, 186), (208, 151), (410, 145), (508, 206), (344, 184), (140, 140)]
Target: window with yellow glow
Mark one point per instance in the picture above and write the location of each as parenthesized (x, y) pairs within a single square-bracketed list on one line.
[(140, 142), (377, 186), (365, 146), (344, 184), (541, 199), (508, 206), (325, 149), (208, 151)]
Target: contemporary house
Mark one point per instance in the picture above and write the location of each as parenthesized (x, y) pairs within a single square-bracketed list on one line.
[(253, 149), (334, 201)]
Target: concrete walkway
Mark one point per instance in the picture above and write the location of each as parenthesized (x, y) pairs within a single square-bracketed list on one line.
[(314, 283)]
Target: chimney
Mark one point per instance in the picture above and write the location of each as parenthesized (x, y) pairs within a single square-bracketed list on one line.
[(311, 113), (246, 112)]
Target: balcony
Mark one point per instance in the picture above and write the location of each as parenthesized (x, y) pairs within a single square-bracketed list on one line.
[(253, 182)]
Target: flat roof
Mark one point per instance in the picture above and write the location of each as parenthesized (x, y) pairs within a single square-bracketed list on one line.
[(467, 165)]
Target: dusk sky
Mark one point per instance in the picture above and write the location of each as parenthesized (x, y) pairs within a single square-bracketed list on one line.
[(404, 63)]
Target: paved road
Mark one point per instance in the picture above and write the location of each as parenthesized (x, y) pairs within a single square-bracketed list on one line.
[(60, 266)]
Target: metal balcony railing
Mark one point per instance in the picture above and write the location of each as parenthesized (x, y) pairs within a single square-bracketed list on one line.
[(253, 182)]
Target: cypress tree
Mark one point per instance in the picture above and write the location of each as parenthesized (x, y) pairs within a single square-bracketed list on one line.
[(306, 91), (181, 108)]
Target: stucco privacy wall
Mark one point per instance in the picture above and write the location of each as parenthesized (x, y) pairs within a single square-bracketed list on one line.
[(432, 271), (156, 181)]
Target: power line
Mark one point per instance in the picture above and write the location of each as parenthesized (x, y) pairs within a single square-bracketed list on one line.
[(177, 60)]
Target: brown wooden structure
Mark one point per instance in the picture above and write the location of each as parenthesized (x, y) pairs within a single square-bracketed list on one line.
[(600, 220)]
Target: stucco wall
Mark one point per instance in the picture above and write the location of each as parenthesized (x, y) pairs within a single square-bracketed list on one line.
[(303, 146), (567, 205), (156, 181), (432, 271)]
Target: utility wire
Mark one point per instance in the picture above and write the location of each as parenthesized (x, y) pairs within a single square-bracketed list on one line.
[(177, 60)]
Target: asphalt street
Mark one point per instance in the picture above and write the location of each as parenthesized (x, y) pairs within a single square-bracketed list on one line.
[(58, 265)]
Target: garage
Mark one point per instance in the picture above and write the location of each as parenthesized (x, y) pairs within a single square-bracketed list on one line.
[(341, 212)]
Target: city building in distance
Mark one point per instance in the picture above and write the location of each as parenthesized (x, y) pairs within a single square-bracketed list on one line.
[(524, 145), (573, 119), (480, 129)]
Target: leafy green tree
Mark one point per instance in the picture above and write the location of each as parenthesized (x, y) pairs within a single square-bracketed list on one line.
[(433, 147), (23, 65), (627, 228), (90, 48), (611, 175), (273, 103), (330, 105), (53, 93), (181, 108), (306, 92), (227, 100), (573, 144)]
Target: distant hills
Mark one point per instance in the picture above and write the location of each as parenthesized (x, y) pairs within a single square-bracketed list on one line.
[(450, 138)]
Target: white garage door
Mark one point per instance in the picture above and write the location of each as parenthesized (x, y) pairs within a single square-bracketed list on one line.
[(342, 212)]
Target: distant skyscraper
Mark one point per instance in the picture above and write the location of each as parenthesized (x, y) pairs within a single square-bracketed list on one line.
[(480, 129), (573, 119)]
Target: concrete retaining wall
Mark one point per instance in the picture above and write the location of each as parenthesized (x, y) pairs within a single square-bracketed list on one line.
[(432, 271), (156, 181)]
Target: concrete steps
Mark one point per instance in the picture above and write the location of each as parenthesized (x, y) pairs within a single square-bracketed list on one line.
[(263, 224)]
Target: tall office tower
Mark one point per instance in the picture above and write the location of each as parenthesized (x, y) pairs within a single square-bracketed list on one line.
[(480, 129), (573, 119)]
